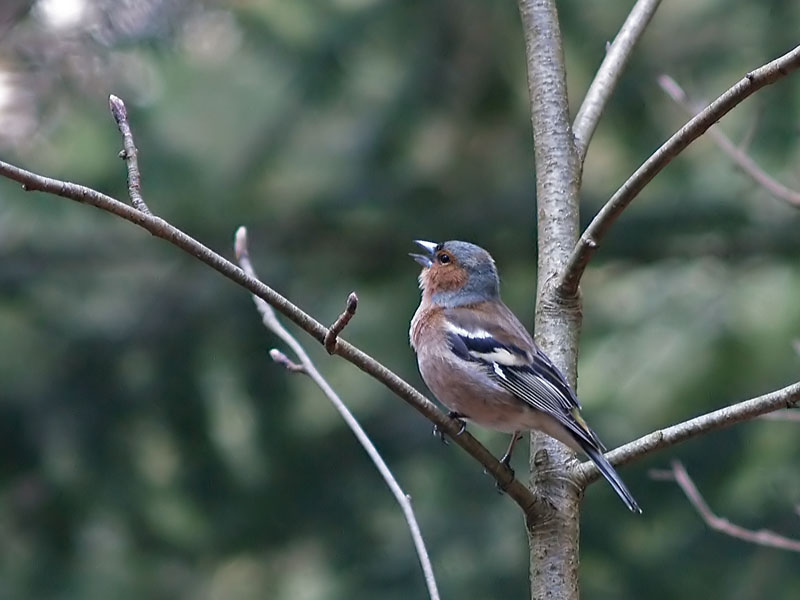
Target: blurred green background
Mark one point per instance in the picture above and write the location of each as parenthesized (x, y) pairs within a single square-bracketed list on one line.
[(149, 446)]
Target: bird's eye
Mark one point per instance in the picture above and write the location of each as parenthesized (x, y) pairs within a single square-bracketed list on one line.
[(443, 258)]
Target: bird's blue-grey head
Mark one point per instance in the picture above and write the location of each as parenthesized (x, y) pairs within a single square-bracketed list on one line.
[(457, 273)]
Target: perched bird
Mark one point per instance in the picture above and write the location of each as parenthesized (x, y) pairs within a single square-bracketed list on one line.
[(482, 364)]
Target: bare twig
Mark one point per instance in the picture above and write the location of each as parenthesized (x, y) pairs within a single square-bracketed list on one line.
[(280, 358), (590, 239), (605, 81), (787, 397), (129, 153), (307, 366), (738, 155), (341, 323), (762, 537)]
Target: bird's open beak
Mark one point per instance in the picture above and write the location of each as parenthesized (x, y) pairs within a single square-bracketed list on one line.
[(426, 260)]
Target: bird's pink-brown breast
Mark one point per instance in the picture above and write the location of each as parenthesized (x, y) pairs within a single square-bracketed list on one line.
[(461, 385), (424, 324)]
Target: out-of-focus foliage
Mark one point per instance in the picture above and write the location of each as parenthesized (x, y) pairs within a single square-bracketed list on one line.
[(149, 446)]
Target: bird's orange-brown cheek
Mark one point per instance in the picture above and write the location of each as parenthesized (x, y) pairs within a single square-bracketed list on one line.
[(440, 278)]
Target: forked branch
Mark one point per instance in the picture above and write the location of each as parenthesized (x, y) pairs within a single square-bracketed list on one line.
[(591, 238), (738, 155), (762, 537)]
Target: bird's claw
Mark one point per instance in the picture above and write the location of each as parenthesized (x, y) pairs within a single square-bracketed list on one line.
[(437, 431), (460, 418)]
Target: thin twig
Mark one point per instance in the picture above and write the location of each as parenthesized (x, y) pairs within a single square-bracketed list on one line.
[(738, 155), (609, 73), (129, 153), (280, 358), (746, 410), (344, 318), (590, 239), (762, 537), (270, 320)]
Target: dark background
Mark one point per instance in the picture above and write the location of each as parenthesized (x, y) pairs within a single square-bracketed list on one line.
[(149, 446)]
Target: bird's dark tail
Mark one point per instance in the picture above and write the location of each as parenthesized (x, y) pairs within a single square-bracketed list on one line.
[(611, 475)]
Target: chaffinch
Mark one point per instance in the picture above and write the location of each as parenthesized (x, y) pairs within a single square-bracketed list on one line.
[(482, 364)]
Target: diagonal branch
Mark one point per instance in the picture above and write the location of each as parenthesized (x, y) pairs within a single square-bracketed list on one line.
[(742, 159), (605, 81), (306, 366), (762, 537), (530, 504), (590, 239), (787, 397)]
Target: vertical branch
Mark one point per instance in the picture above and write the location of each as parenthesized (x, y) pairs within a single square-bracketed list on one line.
[(590, 240), (554, 542)]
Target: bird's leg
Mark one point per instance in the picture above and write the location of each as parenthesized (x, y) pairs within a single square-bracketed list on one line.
[(506, 460), (453, 415)]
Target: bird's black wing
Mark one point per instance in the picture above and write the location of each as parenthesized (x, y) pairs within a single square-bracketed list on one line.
[(529, 375)]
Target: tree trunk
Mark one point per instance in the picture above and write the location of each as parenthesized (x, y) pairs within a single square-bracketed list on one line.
[(554, 539)]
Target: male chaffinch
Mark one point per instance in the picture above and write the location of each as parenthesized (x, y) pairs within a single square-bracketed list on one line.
[(481, 363)]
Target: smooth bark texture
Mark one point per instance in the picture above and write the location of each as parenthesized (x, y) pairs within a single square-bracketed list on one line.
[(553, 541)]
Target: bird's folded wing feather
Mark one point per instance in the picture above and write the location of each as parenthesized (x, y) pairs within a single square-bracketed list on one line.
[(512, 360)]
